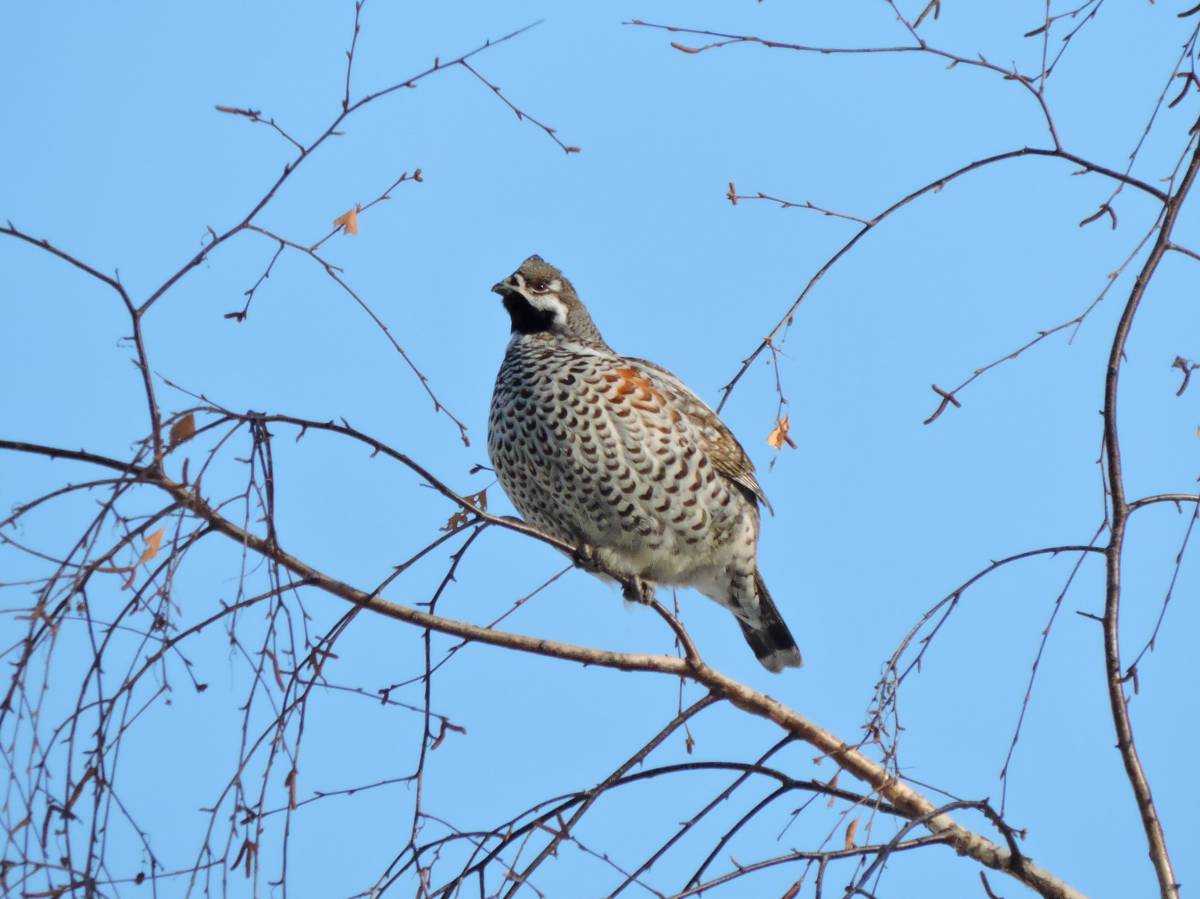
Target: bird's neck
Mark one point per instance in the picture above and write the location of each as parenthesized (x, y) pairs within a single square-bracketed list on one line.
[(520, 343)]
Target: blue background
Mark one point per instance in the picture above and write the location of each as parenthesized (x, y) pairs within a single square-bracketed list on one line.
[(112, 148)]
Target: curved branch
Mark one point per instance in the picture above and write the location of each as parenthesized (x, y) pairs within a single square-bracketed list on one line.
[(919, 45), (1121, 510), (592, 795), (510, 831), (1176, 498), (930, 187), (907, 800), (692, 821), (800, 856), (950, 397), (1191, 254), (42, 244), (114, 282)]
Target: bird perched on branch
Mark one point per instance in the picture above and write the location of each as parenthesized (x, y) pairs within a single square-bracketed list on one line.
[(616, 456)]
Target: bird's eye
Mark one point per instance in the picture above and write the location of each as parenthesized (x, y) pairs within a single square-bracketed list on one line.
[(539, 286)]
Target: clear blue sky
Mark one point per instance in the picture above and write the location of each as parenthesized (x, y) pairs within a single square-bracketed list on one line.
[(113, 149)]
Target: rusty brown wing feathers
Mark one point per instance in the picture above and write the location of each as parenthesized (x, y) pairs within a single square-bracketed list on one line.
[(717, 441)]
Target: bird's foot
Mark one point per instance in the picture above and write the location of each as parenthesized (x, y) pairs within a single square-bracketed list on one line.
[(585, 557), (639, 591)]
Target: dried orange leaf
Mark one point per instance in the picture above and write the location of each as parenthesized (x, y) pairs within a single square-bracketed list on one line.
[(779, 436), (348, 221), (456, 521), (183, 429), (153, 543), (851, 829), (463, 516)]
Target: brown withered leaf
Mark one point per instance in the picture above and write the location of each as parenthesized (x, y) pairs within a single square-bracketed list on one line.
[(290, 783), (779, 436), (457, 520), (183, 429), (851, 829), (348, 221), (793, 891), (153, 544), (78, 791), (249, 853), (445, 727), (833, 786), (463, 516)]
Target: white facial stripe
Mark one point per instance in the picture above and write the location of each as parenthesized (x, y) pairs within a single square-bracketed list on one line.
[(548, 303)]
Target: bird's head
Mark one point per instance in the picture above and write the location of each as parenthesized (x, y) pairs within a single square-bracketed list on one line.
[(540, 299)]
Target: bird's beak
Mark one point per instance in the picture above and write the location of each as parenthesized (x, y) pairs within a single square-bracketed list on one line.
[(502, 287)]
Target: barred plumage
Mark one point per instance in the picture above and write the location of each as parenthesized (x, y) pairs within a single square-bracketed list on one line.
[(616, 456)]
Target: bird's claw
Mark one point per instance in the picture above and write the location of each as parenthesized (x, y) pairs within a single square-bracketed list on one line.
[(585, 557), (639, 591)]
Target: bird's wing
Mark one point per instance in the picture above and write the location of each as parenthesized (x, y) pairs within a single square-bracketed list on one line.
[(716, 440)]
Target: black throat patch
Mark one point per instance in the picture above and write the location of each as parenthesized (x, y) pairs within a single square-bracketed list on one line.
[(526, 319)]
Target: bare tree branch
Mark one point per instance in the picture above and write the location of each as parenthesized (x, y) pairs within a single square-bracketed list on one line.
[(1120, 514), (909, 801)]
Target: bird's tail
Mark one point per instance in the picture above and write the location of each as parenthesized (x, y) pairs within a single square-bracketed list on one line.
[(772, 642)]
